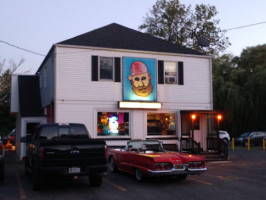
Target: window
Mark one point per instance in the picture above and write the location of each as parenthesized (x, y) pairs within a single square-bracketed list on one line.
[(113, 124), (161, 124), (169, 72), (106, 68)]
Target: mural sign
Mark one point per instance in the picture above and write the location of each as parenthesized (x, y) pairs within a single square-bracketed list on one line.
[(139, 79)]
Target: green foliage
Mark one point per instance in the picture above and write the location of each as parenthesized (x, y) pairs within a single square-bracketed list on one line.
[(179, 24), (7, 121), (239, 89)]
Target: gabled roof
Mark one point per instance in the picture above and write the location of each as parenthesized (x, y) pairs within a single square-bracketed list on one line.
[(116, 36), (29, 96)]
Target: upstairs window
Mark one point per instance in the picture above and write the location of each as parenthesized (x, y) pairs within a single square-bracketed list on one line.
[(105, 68), (169, 72)]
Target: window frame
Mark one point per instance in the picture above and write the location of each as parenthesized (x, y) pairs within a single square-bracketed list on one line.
[(162, 135), (99, 68), (113, 136), (179, 72), (168, 76)]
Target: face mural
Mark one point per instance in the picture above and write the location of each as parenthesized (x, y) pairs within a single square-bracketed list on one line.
[(140, 79)]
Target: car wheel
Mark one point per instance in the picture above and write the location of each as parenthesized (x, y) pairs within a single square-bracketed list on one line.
[(138, 174), (181, 176), (112, 165), (96, 180), (2, 172), (245, 143), (36, 180), (225, 140)]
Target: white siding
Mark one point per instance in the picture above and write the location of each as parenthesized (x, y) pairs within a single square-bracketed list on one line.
[(74, 80), (78, 99)]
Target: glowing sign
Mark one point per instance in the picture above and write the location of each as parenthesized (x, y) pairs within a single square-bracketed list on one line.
[(140, 105)]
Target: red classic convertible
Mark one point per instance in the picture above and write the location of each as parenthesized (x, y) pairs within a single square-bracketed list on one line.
[(148, 158)]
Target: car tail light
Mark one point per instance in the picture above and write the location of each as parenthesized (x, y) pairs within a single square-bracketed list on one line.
[(163, 166), (196, 165), (105, 151), (41, 153)]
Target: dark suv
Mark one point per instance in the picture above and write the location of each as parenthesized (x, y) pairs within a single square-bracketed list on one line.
[(2, 160), (256, 138)]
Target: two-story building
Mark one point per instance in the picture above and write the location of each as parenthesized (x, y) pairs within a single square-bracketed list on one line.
[(122, 84)]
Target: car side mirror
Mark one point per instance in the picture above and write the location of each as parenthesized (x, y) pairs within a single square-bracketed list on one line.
[(23, 139)]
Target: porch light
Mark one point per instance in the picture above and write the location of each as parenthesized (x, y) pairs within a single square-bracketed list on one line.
[(193, 116), (219, 117)]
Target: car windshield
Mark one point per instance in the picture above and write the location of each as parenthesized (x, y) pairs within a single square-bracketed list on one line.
[(152, 146)]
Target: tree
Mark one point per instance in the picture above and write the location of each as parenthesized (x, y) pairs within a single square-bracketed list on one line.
[(239, 89), (7, 121), (179, 24)]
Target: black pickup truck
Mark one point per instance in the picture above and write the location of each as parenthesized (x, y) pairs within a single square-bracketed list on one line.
[(68, 150)]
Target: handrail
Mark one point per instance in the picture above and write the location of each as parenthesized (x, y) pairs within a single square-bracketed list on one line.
[(188, 144), (218, 145)]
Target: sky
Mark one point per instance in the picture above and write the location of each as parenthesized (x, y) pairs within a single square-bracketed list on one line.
[(36, 25)]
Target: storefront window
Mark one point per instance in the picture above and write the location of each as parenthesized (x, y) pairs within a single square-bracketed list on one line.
[(161, 124), (112, 124)]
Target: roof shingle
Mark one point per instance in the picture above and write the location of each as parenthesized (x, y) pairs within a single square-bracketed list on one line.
[(119, 37)]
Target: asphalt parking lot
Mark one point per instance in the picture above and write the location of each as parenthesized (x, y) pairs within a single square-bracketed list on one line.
[(243, 176)]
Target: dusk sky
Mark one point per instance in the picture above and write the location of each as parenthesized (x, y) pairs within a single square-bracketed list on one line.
[(37, 25)]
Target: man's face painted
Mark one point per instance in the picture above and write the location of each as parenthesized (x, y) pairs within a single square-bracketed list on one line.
[(141, 84)]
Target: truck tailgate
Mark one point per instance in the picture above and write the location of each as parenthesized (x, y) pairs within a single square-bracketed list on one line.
[(69, 152)]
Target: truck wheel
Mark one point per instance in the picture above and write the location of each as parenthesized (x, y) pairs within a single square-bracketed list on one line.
[(138, 174), (96, 180), (112, 165), (2, 172), (26, 168), (36, 180)]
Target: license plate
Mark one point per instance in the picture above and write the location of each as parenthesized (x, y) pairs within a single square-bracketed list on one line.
[(178, 166), (74, 170)]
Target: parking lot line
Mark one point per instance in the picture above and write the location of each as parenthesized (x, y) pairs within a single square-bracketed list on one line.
[(22, 193), (200, 181), (115, 185)]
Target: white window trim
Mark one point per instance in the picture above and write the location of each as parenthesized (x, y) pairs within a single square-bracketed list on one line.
[(112, 137), (161, 136), (99, 69), (176, 73)]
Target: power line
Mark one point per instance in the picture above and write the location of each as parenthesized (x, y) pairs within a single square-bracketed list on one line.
[(12, 45), (39, 54), (245, 26)]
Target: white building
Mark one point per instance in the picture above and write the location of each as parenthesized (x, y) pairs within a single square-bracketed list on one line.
[(89, 78)]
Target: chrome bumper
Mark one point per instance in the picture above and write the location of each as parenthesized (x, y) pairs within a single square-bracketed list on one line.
[(174, 171)]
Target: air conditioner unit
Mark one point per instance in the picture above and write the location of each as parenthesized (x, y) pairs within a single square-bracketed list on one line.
[(170, 79)]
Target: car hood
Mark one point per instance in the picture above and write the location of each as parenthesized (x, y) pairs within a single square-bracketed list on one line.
[(173, 157)]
